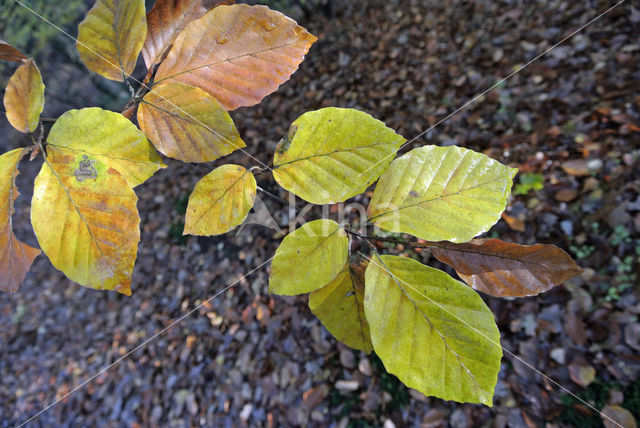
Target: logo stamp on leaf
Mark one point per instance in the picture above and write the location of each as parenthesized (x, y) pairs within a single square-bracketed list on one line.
[(86, 170)]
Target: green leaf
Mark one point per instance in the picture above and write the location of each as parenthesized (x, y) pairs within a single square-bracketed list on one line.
[(110, 138), (433, 332), (332, 154), (309, 258), (441, 194), (111, 37), (220, 201), (340, 307)]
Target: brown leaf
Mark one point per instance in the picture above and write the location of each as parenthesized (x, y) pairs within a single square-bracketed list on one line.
[(566, 195), (580, 167), (504, 269), (166, 20), (313, 397), (514, 223), (582, 373), (621, 416), (15, 257), (575, 329), (186, 123), (239, 54), (9, 53)]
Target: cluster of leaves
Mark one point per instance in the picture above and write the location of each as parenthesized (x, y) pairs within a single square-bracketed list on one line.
[(204, 58), (435, 333)]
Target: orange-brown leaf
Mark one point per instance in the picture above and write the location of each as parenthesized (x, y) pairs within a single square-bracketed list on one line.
[(15, 257), (9, 53), (239, 54), (503, 269), (24, 98), (166, 19), (186, 123)]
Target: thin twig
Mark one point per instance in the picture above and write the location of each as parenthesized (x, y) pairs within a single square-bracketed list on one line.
[(410, 244)]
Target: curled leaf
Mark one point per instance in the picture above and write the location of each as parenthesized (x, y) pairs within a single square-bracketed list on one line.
[(309, 258), (333, 154), (186, 123), (111, 36), (15, 257), (24, 98), (239, 54), (110, 138), (9, 53), (86, 221), (503, 269), (441, 194), (433, 332), (220, 201)]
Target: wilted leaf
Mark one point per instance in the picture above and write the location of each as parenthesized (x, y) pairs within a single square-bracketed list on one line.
[(309, 258), (110, 138), (9, 53), (85, 217), (186, 123), (239, 54), (332, 154), (433, 332), (24, 98), (15, 257), (441, 194), (165, 20), (503, 269), (111, 36), (220, 201), (339, 305)]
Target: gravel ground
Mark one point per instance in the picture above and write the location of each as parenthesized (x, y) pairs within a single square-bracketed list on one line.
[(245, 358)]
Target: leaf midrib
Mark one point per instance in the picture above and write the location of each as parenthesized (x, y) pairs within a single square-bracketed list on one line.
[(425, 201), (190, 70), (442, 337)]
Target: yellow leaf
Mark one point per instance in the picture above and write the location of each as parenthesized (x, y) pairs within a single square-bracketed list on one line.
[(309, 258), (15, 257), (220, 201), (433, 332), (24, 98), (109, 137), (332, 154), (339, 305), (186, 123), (441, 194), (165, 21), (85, 217), (239, 54), (111, 36)]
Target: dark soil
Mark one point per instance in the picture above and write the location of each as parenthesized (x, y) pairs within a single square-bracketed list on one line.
[(570, 122)]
